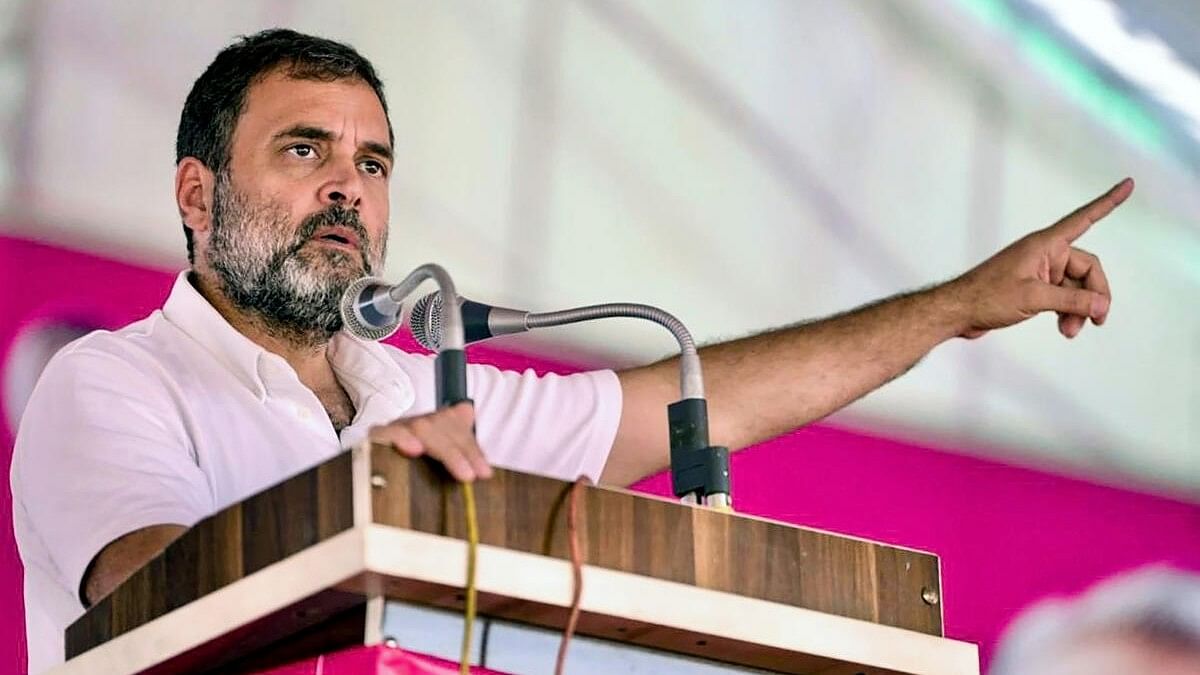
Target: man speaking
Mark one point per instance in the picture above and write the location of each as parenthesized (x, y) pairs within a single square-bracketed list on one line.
[(244, 377)]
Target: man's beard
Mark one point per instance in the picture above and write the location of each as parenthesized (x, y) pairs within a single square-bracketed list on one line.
[(270, 272)]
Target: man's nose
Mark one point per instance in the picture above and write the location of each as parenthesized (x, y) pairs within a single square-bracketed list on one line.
[(344, 187)]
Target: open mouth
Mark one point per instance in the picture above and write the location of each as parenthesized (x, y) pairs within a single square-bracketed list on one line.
[(339, 237)]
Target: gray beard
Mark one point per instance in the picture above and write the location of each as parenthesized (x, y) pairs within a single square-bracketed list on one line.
[(293, 290)]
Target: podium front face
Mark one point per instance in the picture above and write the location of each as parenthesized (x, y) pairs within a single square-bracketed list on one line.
[(304, 567)]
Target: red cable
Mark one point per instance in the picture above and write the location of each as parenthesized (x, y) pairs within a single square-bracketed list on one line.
[(576, 571)]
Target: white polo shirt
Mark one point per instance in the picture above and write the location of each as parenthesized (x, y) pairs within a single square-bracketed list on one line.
[(179, 415)]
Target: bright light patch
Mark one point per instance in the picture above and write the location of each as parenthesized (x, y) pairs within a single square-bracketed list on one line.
[(1140, 58), (1124, 113)]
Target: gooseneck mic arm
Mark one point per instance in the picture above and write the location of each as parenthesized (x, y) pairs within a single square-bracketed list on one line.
[(371, 311), (699, 471), (691, 381)]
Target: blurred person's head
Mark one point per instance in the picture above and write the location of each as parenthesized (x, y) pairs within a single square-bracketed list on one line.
[(283, 156), (1143, 622)]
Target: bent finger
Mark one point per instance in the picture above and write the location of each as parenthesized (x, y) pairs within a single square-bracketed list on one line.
[(1067, 300), (463, 433), (1070, 325), (444, 447), (399, 437), (1086, 268)]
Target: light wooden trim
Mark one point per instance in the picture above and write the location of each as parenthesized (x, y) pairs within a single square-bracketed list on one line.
[(389, 552), (407, 554), (272, 588), (373, 626)]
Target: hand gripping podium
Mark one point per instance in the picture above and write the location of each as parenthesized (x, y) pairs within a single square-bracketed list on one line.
[(304, 568)]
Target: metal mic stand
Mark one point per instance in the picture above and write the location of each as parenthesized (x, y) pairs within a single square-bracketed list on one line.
[(699, 470)]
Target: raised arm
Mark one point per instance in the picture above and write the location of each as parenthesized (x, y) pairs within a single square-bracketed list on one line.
[(762, 386)]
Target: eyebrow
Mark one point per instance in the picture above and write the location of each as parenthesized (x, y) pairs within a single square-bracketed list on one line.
[(318, 134)]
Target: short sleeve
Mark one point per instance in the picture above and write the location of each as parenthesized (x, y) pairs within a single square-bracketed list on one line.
[(561, 426), (102, 451)]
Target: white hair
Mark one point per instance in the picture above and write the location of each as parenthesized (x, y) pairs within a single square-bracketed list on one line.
[(1158, 604)]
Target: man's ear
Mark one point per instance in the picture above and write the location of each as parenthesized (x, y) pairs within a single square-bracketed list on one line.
[(194, 183)]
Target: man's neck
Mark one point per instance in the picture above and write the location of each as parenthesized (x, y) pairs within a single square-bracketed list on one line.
[(308, 358)]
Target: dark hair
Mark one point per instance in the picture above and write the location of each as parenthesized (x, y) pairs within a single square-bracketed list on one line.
[(212, 108)]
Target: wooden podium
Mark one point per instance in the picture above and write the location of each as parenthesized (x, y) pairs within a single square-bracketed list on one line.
[(305, 567)]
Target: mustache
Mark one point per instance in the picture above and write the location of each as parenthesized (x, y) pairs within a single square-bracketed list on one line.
[(335, 215)]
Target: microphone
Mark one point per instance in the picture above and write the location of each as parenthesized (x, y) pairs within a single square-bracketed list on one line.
[(699, 470), (480, 321), (370, 310)]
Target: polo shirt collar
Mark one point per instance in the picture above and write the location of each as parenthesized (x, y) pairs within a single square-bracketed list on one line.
[(364, 368)]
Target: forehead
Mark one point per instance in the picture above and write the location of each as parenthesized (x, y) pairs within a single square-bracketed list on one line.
[(277, 102)]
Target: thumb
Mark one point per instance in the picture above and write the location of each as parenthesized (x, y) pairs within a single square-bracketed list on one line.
[(1076, 301)]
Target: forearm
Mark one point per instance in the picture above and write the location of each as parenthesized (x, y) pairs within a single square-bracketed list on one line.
[(121, 558), (762, 386)]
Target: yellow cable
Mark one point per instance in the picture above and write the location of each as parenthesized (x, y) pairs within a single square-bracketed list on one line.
[(472, 545)]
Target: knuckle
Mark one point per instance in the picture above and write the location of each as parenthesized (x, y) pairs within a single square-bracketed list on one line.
[(420, 424)]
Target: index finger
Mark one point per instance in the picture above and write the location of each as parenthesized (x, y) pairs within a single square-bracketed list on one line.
[(1074, 225)]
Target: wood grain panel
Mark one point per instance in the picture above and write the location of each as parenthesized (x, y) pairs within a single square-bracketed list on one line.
[(660, 538), (387, 480), (899, 577), (223, 548), (334, 497), (609, 518), (662, 541), (618, 529)]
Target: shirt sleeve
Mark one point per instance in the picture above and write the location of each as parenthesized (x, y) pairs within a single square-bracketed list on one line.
[(102, 451), (561, 426)]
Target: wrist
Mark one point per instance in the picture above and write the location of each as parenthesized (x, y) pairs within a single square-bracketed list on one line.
[(950, 308)]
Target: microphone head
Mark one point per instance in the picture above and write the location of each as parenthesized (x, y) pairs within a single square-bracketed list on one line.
[(425, 321), (362, 314)]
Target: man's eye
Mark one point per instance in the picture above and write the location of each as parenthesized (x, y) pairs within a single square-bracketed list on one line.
[(303, 151), (373, 168)]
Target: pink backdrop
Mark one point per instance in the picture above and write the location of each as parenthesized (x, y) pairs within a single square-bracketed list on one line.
[(1006, 535)]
